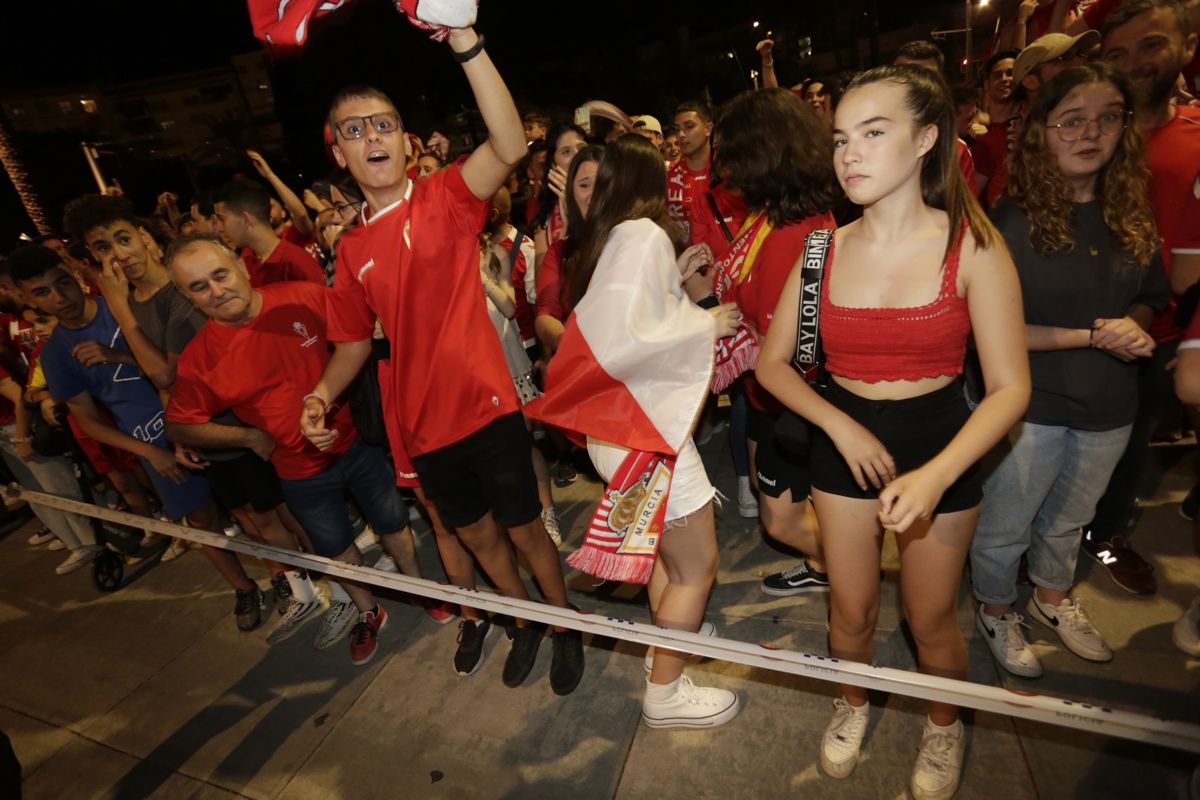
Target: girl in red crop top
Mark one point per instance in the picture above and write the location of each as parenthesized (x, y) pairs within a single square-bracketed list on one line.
[(894, 444)]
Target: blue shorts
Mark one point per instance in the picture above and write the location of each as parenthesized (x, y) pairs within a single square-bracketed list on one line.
[(319, 501), (178, 499)]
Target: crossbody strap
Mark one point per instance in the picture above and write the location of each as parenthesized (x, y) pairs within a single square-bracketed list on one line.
[(716, 212), (808, 356)]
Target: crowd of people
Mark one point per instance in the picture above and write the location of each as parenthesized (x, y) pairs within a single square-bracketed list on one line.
[(953, 314)]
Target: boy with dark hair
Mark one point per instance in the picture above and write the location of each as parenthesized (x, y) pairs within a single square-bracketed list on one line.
[(921, 53), (242, 218)]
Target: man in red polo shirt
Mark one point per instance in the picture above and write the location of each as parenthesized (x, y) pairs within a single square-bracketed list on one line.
[(413, 263), (1152, 40), (242, 218), (692, 191)]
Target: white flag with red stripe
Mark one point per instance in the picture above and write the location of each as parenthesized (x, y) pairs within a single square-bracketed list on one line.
[(634, 363)]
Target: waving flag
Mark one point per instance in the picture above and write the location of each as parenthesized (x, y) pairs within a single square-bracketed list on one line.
[(632, 369), (284, 24)]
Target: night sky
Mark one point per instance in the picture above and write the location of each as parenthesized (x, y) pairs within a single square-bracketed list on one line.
[(552, 54)]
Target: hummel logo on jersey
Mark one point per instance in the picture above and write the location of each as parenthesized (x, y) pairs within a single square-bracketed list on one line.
[(363, 269), (302, 331)]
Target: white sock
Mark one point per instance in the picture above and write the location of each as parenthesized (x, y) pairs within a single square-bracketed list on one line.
[(302, 586), (743, 480), (946, 728), (660, 691), (337, 594)]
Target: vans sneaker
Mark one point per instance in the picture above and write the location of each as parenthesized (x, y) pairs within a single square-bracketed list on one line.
[(683, 704), (1007, 643), (1070, 621), (797, 580)]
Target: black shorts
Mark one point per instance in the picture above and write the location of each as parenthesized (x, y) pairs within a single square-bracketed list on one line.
[(245, 480), (778, 470), (913, 430), (490, 470)]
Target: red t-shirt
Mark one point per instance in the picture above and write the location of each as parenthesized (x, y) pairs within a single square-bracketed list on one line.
[(966, 163), (287, 262), (261, 372), (758, 295), (415, 265), (521, 271), (685, 188), (549, 283), (1173, 156), (308, 243), (989, 150), (8, 412), (17, 335)]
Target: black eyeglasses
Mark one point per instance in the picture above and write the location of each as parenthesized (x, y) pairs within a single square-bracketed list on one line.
[(342, 208), (355, 127), (1110, 123)]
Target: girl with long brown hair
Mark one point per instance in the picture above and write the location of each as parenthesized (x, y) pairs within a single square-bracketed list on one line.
[(631, 374), (1081, 232), (895, 445)]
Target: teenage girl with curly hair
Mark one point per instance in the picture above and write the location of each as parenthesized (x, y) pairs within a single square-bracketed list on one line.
[(1082, 235)]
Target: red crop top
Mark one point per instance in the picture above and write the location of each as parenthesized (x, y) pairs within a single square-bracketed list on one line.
[(897, 344)]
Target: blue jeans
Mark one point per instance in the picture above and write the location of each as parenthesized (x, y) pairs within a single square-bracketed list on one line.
[(53, 475), (319, 501), (1042, 488)]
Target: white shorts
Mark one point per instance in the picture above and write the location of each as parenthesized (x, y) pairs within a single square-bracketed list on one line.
[(690, 488)]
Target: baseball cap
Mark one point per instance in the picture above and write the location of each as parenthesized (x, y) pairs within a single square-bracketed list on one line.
[(648, 123), (1050, 47)]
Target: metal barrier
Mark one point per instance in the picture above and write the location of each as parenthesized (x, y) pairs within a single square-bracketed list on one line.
[(1023, 705)]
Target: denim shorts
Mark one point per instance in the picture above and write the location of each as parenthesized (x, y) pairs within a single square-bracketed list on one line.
[(178, 499), (319, 501), (913, 430)]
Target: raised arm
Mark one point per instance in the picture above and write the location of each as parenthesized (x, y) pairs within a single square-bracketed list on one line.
[(294, 205), (487, 168)]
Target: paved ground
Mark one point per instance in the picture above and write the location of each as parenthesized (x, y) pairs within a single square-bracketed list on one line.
[(151, 692)]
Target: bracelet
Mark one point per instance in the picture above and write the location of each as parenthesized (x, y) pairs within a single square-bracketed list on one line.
[(324, 402), (1092, 337), (20, 439), (467, 55)]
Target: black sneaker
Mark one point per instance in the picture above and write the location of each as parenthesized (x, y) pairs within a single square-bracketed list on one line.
[(566, 666), (283, 591), (526, 642), (1126, 568), (798, 579), (471, 636), (564, 473), (249, 609), (1190, 504)]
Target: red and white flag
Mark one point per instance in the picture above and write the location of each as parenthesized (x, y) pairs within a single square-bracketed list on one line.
[(284, 24), (632, 369)]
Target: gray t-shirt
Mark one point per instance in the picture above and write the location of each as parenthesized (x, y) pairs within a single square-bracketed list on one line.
[(1082, 388), (170, 321)]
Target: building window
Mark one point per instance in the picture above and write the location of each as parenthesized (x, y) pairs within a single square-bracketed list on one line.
[(65, 106), (89, 105)]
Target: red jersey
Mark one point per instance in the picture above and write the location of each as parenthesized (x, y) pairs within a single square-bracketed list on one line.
[(685, 188), (8, 412), (758, 295), (966, 163), (287, 262), (415, 265), (549, 283), (261, 371), (17, 335), (1173, 156), (308, 243), (524, 284)]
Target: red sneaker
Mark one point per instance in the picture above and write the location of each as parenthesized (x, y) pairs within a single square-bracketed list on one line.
[(441, 613), (364, 638)]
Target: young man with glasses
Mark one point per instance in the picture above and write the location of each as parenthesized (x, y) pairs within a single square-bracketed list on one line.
[(413, 263)]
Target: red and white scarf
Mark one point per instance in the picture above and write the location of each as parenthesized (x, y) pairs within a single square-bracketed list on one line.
[(738, 353)]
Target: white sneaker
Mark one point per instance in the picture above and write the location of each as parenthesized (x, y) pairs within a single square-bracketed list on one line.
[(366, 540), (178, 549), (747, 504), (336, 625), (683, 704), (78, 558), (706, 629), (843, 738), (550, 520), (233, 530), (295, 616), (1007, 643), (1071, 623), (1186, 631), (939, 762), (44, 536), (386, 564), (56, 545)]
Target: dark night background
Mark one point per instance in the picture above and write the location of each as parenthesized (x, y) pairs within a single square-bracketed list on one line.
[(643, 56)]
